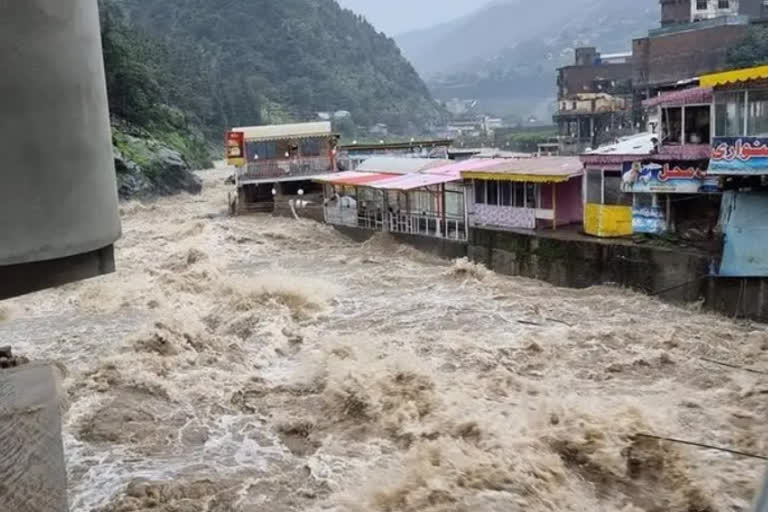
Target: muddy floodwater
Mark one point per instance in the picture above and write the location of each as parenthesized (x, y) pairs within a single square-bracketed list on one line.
[(263, 364)]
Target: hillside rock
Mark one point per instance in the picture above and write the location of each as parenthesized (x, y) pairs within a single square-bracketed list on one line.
[(145, 167), (131, 182)]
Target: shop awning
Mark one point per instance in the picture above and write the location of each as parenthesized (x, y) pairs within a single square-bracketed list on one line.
[(531, 170), (352, 178), (414, 181), (696, 95), (735, 76)]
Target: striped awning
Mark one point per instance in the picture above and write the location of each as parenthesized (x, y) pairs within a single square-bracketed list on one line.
[(735, 76), (352, 178)]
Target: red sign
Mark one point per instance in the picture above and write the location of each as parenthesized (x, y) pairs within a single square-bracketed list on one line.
[(236, 148)]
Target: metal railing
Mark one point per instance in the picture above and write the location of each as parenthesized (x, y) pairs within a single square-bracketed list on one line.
[(435, 226), (285, 168), (453, 228)]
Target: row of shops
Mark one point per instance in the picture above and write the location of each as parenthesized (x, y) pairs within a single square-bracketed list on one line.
[(445, 199), (697, 176), (699, 173)]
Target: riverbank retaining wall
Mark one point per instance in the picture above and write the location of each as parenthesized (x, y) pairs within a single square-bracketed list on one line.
[(672, 275)]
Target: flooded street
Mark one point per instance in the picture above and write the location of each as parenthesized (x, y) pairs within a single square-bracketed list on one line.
[(254, 363)]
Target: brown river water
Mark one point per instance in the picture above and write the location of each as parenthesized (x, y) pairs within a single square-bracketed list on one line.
[(256, 363)]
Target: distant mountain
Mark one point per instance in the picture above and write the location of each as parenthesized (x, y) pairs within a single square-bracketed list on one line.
[(268, 61), (506, 53)]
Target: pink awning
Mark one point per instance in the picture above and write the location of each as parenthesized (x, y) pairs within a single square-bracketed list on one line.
[(414, 181), (352, 178)]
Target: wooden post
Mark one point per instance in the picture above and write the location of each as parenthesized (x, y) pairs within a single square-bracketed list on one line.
[(385, 218), (554, 206), (33, 475), (445, 216), (408, 216)]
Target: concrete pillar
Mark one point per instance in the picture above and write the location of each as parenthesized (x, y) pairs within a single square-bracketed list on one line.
[(32, 470), (58, 193)]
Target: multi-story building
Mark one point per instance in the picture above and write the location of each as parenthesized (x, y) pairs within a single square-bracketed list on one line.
[(675, 12), (280, 161), (693, 40), (594, 99), (739, 157)]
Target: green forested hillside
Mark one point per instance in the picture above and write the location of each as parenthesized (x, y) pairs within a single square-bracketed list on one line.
[(263, 61)]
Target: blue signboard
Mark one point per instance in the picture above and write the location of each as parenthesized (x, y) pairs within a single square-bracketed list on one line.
[(745, 253), (649, 219), (746, 156), (653, 178)]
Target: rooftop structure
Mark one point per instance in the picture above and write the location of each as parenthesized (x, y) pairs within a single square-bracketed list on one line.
[(286, 131), (594, 99), (279, 160), (525, 193)]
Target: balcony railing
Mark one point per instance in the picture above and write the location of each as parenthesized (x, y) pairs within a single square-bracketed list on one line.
[(285, 168)]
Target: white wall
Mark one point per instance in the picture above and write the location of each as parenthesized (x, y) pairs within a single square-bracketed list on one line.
[(712, 10)]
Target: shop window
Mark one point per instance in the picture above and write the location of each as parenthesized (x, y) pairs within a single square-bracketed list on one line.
[(311, 147), (480, 192), (506, 193), (612, 194), (266, 150), (493, 193), (757, 113), (518, 199), (729, 114), (530, 195), (697, 124), (595, 187), (672, 125)]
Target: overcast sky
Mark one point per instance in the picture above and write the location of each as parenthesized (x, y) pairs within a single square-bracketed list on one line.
[(397, 16)]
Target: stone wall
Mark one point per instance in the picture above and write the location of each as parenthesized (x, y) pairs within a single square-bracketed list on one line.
[(440, 247), (672, 275)]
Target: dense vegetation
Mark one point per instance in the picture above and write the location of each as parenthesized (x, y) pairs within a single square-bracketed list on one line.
[(144, 100), (243, 62), (752, 51)]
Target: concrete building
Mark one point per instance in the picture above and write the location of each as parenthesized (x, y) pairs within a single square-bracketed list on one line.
[(693, 40), (740, 158), (673, 56), (687, 11), (594, 99), (280, 160)]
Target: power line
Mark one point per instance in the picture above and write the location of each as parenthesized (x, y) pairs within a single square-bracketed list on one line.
[(733, 366), (704, 446)]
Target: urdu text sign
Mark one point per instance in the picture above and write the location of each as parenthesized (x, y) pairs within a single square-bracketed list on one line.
[(746, 156)]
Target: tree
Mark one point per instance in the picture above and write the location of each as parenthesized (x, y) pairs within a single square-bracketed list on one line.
[(752, 51)]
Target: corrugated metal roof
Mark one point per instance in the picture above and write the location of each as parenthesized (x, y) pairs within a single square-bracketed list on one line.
[(544, 166), (353, 178), (414, 181), (286, 131), (458, 167), (399, 165), (640, 144), (679, 98)]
